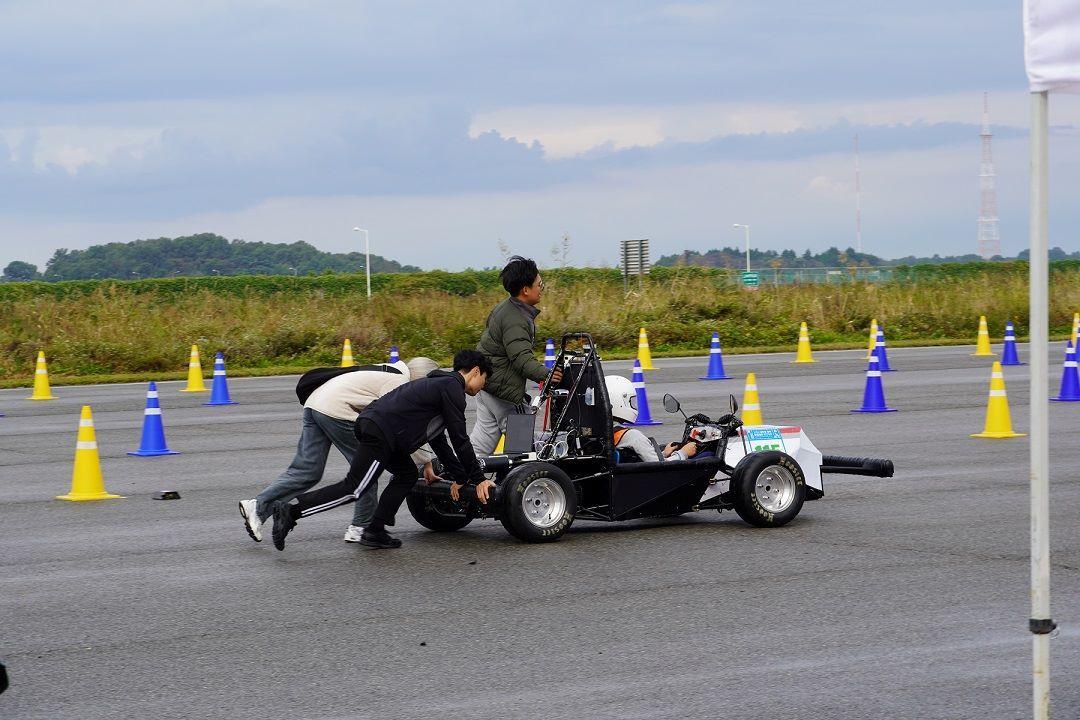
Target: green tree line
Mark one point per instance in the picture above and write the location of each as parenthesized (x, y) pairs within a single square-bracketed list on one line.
[(735, 258), (195, 255)]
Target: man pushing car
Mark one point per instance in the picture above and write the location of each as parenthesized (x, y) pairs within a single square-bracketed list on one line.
[(422, 411)]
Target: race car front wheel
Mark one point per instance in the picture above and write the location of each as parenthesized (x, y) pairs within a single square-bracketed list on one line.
[(539, 502), (427, 513), (769, 489)]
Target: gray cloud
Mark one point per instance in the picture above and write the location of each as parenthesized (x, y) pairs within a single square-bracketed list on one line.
[(421, 152), (505, 52)]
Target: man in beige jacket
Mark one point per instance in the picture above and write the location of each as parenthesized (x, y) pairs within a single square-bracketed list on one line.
[(329, 419)]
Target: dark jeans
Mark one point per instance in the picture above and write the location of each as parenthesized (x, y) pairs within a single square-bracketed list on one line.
[(373, 455)]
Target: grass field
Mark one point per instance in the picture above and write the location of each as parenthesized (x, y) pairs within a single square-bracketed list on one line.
[(115, 331)]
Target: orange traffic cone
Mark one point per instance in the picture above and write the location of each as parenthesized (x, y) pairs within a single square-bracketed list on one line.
[(86, 480), (998, 421)]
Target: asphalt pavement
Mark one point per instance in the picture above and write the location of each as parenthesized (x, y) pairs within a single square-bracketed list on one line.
[(899, 598)]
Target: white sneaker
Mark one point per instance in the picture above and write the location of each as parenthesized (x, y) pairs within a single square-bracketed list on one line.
[(251, 519), (353, 533)]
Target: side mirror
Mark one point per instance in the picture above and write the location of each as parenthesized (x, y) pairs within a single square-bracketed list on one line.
[(734, 404), (671, 404)]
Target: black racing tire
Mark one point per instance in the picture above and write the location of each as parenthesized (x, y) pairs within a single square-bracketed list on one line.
[(539, 502), (426, 512), (769, 489)]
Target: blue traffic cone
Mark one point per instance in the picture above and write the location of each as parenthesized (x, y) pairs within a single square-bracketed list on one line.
[(1008, 354), (879, 350), (1070, 377), (219, 391), (716, 361), (394, 357), (549, 354), (644, 417), (153, 432), (874, 394)]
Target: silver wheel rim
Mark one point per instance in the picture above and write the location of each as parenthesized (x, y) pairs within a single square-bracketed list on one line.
[(775, 488), (543, 502)]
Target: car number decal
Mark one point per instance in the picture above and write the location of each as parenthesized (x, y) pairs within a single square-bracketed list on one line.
[(761, 438)]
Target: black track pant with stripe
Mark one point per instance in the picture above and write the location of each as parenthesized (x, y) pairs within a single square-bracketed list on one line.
[(373, 455)]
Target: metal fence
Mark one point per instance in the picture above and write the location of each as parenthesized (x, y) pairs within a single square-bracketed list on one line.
[(821, 275)]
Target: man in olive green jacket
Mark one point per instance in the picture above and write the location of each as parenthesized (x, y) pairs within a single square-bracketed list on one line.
[(508, 341)]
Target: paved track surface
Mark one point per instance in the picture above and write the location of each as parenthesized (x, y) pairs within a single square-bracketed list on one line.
[(902, 598)]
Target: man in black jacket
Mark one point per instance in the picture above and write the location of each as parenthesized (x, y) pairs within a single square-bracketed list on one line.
[(388, 430)]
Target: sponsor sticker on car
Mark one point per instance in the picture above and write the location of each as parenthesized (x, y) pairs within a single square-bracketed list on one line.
[(761, 438)]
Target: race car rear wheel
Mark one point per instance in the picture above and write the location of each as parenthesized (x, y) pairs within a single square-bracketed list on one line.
[(427, 512), (768, 488), (539, 502)]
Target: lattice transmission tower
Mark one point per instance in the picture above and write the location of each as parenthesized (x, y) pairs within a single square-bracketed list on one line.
[(989, 240), (858, 200)]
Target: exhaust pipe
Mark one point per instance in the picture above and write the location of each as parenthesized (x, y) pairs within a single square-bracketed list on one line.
[(871, 467)]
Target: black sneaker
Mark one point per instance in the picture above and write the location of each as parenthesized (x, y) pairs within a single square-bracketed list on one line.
[(283, 523), (377, 539)]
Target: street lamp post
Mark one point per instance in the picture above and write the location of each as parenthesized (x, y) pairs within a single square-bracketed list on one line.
[(367, 258), (747, 229)]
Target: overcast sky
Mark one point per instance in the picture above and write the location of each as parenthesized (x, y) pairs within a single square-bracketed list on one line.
[(444, 126)]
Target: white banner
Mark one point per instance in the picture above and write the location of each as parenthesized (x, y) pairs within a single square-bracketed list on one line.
[(1052, 45)]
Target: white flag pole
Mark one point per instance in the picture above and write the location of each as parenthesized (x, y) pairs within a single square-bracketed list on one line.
[(1040, 623)]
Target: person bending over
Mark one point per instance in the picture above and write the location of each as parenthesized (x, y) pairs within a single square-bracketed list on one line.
[(424, 411), (624, 412), (329, 418)]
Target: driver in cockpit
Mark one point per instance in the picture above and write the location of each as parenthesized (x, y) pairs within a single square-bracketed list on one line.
[(631, 444)]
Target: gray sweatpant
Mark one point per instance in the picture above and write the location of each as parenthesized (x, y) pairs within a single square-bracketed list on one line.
[(490, 424), (317, 433)]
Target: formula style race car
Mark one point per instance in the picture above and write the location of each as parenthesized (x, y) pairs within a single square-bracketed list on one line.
[(571, 470)]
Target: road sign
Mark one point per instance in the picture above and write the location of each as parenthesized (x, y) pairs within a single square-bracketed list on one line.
[(634, 259), (751, 279)]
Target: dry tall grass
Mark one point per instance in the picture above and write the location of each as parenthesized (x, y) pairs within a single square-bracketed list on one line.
[(116, 330)]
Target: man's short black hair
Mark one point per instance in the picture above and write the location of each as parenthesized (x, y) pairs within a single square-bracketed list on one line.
[(468, 359), (519, 273)]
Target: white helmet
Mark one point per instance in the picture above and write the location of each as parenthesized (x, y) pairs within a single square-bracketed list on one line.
[(623, 398)]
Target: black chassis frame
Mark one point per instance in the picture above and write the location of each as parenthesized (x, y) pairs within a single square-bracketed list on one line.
[(606, 490)]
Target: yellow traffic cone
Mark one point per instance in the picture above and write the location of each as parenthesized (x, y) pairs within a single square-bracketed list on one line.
[(751, 404), (982, 345), (644, 356), (1076, 328), (41, 380), (998, 421), (346, 354), (803, 355), (194, 375), (86, 480), (873, 339)]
